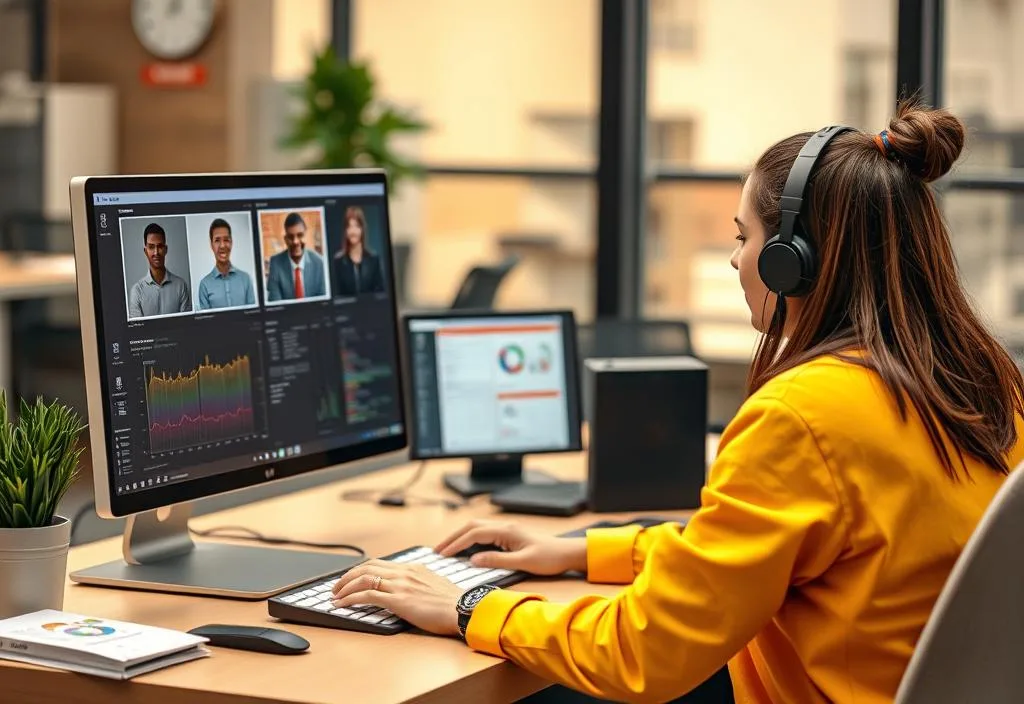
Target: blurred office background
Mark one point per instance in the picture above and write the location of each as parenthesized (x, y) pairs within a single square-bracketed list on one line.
[(596, 144)]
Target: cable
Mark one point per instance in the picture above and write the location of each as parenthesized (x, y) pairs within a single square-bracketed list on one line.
[(399, 495), (248, 534)]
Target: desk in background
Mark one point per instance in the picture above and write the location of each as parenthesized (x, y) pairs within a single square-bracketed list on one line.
[(28, 276), (341, 666)]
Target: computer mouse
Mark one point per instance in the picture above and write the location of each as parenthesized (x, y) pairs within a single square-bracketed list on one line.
[(257, 638)]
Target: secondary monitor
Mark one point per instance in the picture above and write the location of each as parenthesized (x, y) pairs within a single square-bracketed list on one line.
[(492, 387), (238, 329)]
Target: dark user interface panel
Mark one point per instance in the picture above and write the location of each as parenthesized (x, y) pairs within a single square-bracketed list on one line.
[(243, 325)]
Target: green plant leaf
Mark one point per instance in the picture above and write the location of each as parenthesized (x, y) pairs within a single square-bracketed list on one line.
[(39, 459), (343, 125)]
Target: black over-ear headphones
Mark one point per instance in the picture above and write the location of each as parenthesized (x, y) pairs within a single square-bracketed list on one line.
[(787, 263)]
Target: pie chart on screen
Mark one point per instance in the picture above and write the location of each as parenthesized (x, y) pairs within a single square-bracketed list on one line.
[(511, 359)]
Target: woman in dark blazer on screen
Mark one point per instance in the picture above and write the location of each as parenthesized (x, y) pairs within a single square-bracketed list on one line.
[(357, 270)]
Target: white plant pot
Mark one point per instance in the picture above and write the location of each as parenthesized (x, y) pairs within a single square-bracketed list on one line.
[(33, 567)]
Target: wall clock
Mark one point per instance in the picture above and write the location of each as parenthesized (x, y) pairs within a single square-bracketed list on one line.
[(173, 29)]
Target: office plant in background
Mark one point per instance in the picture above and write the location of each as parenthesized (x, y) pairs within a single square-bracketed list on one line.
[(342, 124), (39, 455)]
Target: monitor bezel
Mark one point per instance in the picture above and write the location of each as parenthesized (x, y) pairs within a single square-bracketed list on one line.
[(572, 384), (108, 503)]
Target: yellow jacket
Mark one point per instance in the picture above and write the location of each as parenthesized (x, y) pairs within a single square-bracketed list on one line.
[(826, 531)]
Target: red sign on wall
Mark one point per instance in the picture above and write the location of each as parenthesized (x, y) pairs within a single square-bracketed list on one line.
[(177, 75)]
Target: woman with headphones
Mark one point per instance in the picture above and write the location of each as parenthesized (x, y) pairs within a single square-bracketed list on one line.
[(882, 418)]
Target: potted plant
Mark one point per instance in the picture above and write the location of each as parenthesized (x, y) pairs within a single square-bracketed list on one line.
[(343, 124), (38, 462)]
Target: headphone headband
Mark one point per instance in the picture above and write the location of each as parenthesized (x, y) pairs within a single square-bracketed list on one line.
[(800, 173), (787, 263)]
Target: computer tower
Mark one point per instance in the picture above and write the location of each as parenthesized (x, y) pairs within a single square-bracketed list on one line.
[(648, 427)]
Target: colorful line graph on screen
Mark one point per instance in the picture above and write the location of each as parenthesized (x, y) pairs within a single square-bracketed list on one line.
[(210, 403)]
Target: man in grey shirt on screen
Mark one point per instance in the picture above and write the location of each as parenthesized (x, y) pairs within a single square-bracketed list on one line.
[(159, 292)]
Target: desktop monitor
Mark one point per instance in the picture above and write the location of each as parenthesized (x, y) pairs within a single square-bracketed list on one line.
[(238, 329), (492, 387)]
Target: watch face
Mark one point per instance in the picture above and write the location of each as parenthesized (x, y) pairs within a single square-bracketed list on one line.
[(472, 597)]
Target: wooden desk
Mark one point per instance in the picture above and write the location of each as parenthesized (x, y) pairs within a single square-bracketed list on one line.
[(35, 275), (341, 666)]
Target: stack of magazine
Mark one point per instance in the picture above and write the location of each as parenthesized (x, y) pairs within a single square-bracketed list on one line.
[(94, 646)]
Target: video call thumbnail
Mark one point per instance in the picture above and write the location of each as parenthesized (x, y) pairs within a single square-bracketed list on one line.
[(158, 280), (357, 263), (222, 261), (293, 252)]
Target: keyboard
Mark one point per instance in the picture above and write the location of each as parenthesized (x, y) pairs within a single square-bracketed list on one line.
[(311, 603)]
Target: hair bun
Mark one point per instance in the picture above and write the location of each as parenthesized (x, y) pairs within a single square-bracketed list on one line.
[(927, 140)]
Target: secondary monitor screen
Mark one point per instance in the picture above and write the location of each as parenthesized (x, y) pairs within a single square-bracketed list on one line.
[(498, 384), (246, 329)]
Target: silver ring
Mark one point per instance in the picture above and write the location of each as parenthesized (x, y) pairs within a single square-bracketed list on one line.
[(376, 583)]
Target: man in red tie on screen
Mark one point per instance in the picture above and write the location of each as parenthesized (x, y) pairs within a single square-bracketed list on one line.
[(297, 272)]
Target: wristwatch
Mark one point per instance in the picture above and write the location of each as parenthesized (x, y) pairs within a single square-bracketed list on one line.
[(467, 602)]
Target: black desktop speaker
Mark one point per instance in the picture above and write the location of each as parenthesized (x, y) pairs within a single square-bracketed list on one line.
[(648, 430)]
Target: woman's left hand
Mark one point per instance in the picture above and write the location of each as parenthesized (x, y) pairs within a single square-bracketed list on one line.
[(411, 592)]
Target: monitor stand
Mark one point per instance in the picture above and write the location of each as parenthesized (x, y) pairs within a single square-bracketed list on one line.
[(160, 555), (489, 475)]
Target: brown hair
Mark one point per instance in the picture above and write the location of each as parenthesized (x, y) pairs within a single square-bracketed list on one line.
[(888, 284), (355, 213)]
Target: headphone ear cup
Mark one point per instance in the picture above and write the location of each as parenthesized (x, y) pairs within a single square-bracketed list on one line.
[(787, 268)]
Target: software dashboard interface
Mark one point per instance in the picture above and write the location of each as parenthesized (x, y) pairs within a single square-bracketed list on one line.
[(242, 326), (490, 385)]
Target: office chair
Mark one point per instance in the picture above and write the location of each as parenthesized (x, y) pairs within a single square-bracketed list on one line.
[(969, 651), (46, 347), (480, 287)]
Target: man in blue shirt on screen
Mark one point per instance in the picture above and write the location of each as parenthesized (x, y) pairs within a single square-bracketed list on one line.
[(226, 286)]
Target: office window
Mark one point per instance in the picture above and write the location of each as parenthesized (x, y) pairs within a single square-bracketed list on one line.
[(673, 27), (504, 85), (868, 86), (670, 142), (748, 89), (982, 58), (987, 244)]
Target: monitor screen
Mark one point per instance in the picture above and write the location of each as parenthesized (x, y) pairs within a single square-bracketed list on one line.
[(492, 384), (245, 329)]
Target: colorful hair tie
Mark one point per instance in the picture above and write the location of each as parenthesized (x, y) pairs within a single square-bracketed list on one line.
[(882, 141)]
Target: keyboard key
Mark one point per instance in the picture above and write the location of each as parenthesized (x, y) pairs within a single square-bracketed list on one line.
[(389, 620), (323, 606), (376, 617), (411, 555), (475, 581), (291, 598), (309, 601), (343, 611), (450, 570)]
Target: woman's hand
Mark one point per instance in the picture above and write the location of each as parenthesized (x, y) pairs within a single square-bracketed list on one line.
[(411, 592), (523, 551)]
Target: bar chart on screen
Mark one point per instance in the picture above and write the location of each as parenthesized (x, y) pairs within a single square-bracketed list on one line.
[(208, 401)]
